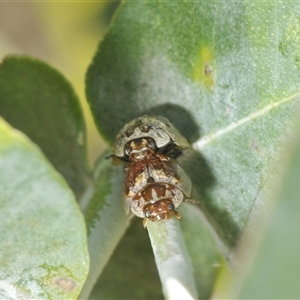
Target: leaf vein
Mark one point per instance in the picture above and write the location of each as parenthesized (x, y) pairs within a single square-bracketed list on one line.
[(209, 138)]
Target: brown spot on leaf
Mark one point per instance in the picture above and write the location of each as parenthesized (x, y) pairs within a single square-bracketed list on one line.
[(208, 69), (203, 66), (65, 284)]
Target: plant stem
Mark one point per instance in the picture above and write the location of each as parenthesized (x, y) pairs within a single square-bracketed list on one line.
[(172, 260)]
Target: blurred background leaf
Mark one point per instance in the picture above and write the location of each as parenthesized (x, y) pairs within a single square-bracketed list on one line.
[(43, 245), (37, 100), (274, 271), (64, 35)]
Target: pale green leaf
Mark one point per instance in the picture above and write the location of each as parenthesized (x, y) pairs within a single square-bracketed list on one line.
[(105, 218), (275, 270), (43, 236)]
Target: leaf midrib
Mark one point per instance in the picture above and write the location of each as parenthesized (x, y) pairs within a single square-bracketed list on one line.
[(211, 137)]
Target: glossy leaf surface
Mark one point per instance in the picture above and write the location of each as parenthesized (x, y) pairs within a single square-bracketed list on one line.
[(43, 236), (40, 102)]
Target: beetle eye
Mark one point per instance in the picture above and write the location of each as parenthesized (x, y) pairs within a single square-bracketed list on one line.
[(147, 213), (151, 144), (170, 206)]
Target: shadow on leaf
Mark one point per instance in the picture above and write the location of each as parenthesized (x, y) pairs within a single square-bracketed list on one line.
[(203, 182), (178, 116)]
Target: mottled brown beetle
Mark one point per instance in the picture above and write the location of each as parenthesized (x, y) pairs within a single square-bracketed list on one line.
[(165, 136), (155, 184)]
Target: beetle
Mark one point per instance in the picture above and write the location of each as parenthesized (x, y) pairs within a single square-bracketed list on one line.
[(166, 137), (155, 184)]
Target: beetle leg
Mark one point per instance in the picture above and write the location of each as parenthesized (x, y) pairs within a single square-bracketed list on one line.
[(177, 215), (145, 220)]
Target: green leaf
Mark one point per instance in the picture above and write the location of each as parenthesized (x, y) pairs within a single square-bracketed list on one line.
[(203, 250), (105, 218), (225, 73), (133, 256), (39, 101), (43, 237), (275, 270)]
